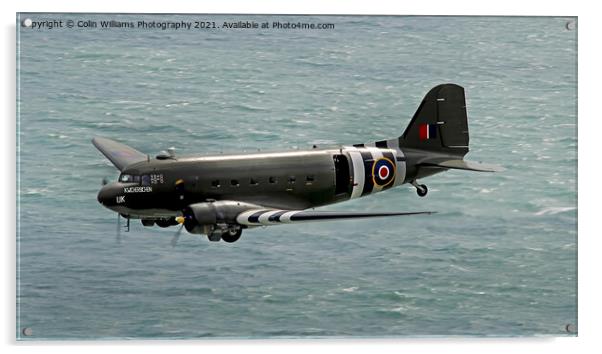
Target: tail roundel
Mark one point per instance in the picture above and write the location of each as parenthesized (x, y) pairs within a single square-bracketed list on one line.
[(440, 123)]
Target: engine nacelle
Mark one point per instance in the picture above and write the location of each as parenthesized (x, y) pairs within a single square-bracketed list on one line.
[(202, 218)]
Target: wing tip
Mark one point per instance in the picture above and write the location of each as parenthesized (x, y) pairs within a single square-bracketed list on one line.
[(420, 213), (98, 141), (119, 154)]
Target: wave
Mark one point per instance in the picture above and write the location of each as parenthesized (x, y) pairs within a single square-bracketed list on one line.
[(554, 210)]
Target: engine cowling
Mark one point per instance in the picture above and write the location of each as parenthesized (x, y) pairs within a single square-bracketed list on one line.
[(202, 218)]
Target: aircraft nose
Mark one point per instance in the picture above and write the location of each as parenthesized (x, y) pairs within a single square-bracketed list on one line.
[(102, 195), (107, 194)]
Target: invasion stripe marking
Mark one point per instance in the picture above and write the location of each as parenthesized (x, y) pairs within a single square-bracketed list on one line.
[(389, 155), (381, 144), (358, 172), (244, 216), (377, 154), (286, 217), (400, 161), (276, 216), (362, 179), (368, 160), (255, 217), (264, 218), (393, 144)]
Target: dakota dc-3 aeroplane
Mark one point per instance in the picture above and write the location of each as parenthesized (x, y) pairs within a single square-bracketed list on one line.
[(221, 195)]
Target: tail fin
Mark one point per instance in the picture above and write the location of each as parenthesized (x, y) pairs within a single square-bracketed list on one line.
[(440, 123)]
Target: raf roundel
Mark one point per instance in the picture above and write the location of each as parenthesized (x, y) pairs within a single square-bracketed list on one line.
[(383, 172)]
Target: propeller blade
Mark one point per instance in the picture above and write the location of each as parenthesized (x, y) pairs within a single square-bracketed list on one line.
[(176, 237)]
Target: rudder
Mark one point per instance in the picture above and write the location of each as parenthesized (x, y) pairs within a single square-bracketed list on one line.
[(440, 123)]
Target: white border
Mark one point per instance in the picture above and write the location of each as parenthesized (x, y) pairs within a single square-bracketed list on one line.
[(589, 162)]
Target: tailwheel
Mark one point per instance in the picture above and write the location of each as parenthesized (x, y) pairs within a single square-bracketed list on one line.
[(232, 234), (421, 189)]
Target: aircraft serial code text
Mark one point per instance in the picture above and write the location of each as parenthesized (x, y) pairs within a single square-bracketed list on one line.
[(173, 25)]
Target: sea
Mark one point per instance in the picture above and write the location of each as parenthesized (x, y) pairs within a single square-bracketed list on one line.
[(498, 259)]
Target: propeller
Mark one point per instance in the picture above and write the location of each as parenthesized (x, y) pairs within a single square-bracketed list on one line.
[(176, 236), (118, 235)]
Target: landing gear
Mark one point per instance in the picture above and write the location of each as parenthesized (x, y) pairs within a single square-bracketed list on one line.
[(127, 224), (226, 233), (215, 235), (166, 222), (421, 189), (232, 235), (148, 222)]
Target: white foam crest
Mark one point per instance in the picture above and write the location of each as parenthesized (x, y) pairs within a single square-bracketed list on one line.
[(554, 210)]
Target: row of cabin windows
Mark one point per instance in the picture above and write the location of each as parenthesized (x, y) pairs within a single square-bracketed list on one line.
[(272, 180)]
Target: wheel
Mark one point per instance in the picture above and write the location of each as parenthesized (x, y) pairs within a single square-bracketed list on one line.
[(166, 222), (422, 190), (232, 235), (148, 222)]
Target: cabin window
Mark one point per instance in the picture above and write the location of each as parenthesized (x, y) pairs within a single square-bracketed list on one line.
[(136, 179), (273, 180), (215, 183), (234, 183), (253, 182), (145, 179), (292, 179), (310, 179)]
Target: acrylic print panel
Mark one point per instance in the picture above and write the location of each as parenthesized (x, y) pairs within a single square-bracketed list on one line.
[(497, 259)]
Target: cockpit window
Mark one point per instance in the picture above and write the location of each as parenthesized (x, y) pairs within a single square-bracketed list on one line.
[(125, 178)]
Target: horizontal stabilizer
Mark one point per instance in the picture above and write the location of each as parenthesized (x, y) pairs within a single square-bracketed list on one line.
[(119, 154), (273, 217), (466, 165)]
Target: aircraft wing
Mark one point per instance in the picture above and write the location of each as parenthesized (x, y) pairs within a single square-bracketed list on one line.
[(259, 217), (119, 154)]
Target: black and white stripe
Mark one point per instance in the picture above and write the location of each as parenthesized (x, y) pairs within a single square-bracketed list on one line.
[(257, 217), (363, 157), (263, 217)]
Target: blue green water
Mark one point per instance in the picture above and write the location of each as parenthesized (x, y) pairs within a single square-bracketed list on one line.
[(499, 257)]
